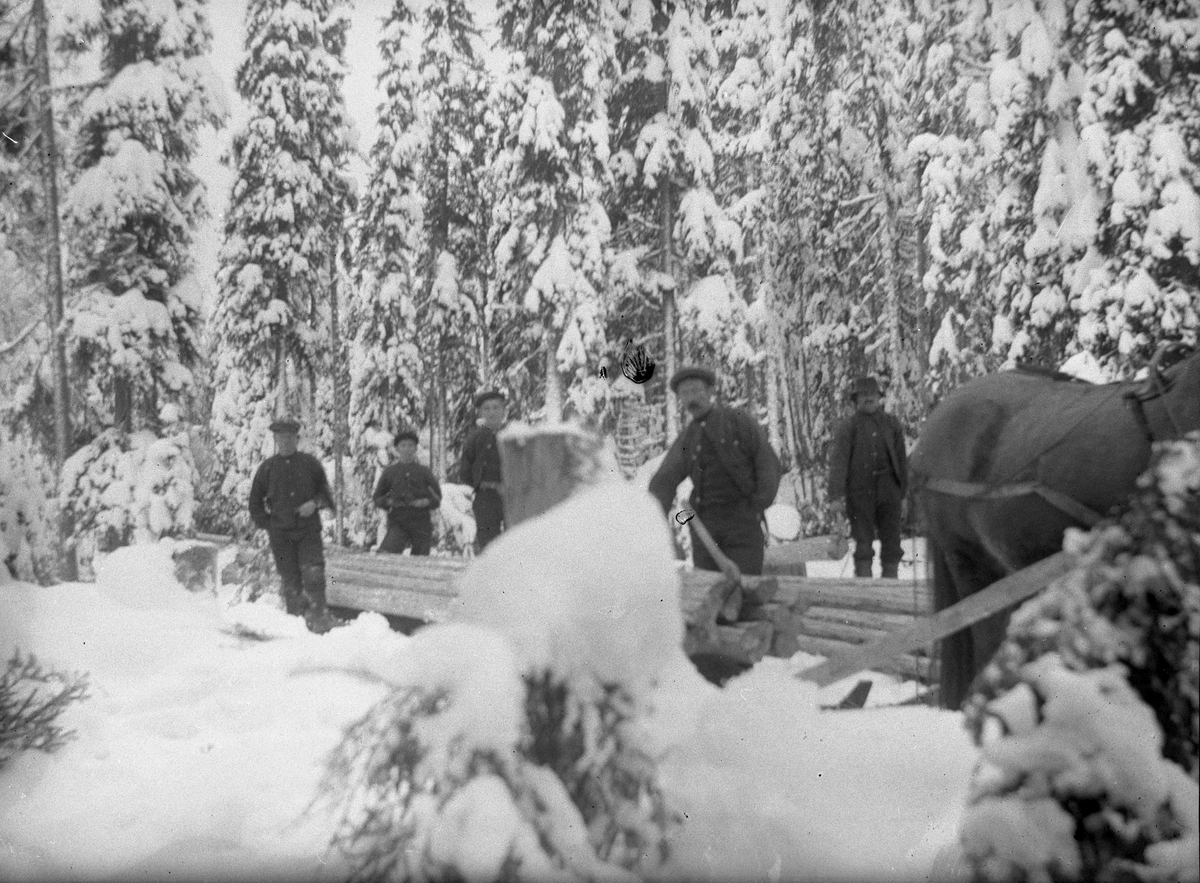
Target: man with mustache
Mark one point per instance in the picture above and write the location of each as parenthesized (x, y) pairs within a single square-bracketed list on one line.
[(735, 473)]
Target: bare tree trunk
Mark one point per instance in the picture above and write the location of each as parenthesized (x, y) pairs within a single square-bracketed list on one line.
[(670, 317), (68, 567), (554, 390), (341, 430)]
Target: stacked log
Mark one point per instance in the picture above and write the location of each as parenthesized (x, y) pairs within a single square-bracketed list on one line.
[(774, 616)]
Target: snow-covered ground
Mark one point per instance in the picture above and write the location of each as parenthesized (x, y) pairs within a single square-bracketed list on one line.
[(198, 753)]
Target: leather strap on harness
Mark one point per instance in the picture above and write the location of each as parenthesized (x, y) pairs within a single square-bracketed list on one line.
[(977, 491)]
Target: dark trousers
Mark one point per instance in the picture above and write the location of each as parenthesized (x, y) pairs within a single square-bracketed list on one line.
[(488, 507), (408, 528), (738, 533), (874, 512), (300, 559)]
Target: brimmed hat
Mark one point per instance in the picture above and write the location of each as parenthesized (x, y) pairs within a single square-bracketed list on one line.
[(285, 424), (864, 386), (405, 433), (692, 372), (488, 394)]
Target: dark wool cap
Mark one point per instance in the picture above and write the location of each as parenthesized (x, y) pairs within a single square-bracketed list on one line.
[(865, 386), (690, 372), (405, 433), (285, 424), (488, 394)]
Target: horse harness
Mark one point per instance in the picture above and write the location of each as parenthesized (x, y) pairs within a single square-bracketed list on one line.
[(1148, 402)]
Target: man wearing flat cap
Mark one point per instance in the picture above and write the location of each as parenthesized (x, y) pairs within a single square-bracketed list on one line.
[(734, 471), (286, 496), (481, 468), (409, 493), (868, 472)]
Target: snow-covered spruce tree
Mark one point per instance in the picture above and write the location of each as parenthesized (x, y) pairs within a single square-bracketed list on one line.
[(550, 234), (134, 314), (269, 333), (450, 310), (677, 242), (418, 306), (845, 244), (510, 746), (747, 37), (32, 697), (950, 162), (1093, 232), (820, 206), (384, 357), (1088, 715), (28, 534)]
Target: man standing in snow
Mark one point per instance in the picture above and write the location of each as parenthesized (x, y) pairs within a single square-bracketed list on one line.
[(409, 493), (734, 470), (481, 468), (286, 496), (868, 471)]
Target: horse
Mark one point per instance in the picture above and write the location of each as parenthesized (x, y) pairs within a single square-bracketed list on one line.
[(1008, 461)]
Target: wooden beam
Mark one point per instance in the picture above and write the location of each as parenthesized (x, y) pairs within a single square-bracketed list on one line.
[(999, 595)]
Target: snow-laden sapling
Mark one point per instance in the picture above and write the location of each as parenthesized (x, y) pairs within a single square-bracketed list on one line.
[(31, 699), (510, 746), (1087, 717)]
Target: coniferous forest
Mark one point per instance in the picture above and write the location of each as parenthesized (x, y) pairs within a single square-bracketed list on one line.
[(792, 193)]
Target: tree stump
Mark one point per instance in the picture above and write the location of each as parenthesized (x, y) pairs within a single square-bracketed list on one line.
[(544, 465), (196, 565)]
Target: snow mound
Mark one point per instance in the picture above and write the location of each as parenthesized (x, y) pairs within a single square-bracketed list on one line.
[(590, 586)]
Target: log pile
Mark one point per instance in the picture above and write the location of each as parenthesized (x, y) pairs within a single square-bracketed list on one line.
[(775, 615), (771, 616)]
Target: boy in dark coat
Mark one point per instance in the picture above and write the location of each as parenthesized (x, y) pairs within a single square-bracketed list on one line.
[(409, 493), (868, 472), (288, 491), (735, 473)]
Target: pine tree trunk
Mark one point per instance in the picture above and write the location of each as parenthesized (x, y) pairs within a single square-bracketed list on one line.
[(68, 567)]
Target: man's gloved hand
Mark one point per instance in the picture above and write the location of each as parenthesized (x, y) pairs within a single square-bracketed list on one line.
[(307, 508)]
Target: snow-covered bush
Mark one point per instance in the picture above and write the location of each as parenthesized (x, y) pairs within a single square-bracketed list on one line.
[(31, 699), (510, 748), (27, 530), (130, 488), (1088, 713)]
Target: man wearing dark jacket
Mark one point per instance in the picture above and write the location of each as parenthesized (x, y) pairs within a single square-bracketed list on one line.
[(868, 471), (735, 473), (481, 468), (409, 493), (286, 496)]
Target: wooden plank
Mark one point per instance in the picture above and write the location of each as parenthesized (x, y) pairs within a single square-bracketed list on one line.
[(397, 602), (863, 619), (883, 596), (849, 634), (903, 666), (998, 596)]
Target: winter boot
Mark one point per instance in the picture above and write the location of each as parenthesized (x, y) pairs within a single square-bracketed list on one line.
[(891, 571), (862, 569)]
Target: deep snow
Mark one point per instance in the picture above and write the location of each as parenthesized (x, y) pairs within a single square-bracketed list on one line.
[(200, 748)]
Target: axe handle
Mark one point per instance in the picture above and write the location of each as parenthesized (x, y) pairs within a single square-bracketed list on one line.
[(723, 561)]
